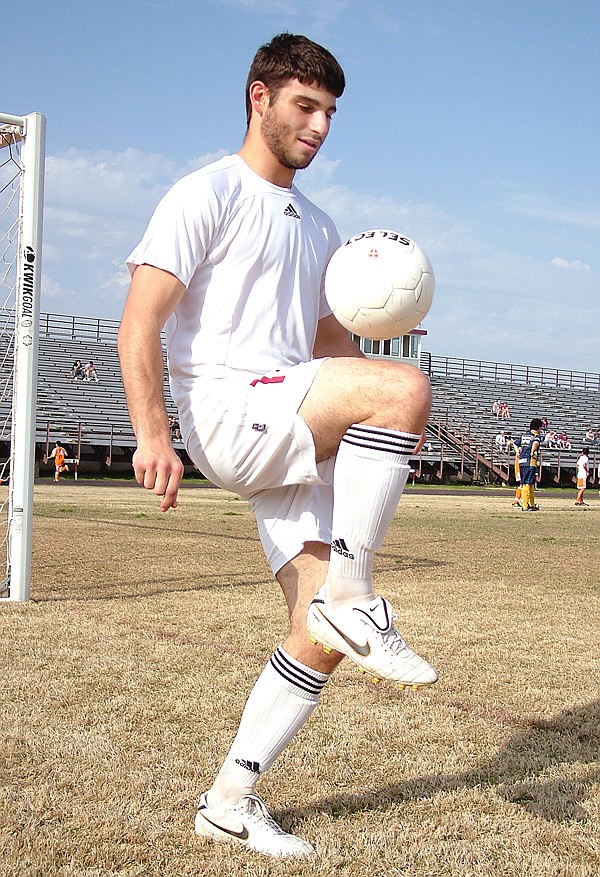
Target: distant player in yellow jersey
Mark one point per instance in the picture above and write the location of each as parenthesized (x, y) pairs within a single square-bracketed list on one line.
[(529, 464), (58, 455)]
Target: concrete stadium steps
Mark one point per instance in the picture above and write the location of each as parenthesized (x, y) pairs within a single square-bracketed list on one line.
[(471, 401), (464, 406), (99, 409)]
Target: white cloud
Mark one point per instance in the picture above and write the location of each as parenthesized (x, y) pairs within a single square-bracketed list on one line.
[(97, 204), (51, 289), (574, 264), (536, 206)]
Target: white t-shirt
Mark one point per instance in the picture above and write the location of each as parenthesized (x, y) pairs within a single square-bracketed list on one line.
[(582, 466), (252, 256)]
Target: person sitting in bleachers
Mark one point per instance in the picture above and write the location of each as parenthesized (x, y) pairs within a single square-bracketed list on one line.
[(77, 370), (90, 372)]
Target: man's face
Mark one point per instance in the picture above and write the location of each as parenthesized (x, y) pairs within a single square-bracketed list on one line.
[(296, 123)]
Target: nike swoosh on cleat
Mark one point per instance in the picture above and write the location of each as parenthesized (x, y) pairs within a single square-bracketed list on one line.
[(240, 835), (372, 620), (363, 651)]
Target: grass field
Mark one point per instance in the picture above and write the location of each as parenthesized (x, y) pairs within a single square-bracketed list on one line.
[(124, 678)]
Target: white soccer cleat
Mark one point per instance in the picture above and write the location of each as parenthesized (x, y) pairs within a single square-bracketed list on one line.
[(365, 633), (249, 823)]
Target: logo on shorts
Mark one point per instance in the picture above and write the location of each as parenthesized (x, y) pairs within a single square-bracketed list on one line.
[(268, 379), (259, 427), (340, 547)]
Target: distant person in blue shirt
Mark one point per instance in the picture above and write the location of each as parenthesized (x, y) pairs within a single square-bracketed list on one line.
[(529, 465)]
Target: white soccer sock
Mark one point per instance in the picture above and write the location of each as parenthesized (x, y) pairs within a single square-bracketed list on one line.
[(370, 472), (282, 700)]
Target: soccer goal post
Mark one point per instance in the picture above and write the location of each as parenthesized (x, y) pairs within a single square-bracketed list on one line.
[(22, 156)]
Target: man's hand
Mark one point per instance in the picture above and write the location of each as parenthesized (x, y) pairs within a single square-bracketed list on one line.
[(159, 470)]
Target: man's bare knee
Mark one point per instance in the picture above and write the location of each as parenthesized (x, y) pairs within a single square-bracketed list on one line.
[(374, 392)]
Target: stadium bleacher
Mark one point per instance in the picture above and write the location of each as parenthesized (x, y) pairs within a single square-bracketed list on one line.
[(93, 421), (464, 393)]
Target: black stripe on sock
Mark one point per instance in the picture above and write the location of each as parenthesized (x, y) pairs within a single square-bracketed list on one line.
[(379, 439), (296, 675)]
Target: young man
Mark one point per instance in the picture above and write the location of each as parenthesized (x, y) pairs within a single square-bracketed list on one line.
[(277, 404), (583, 472), (59, 455), (516, 448), (529, 465)]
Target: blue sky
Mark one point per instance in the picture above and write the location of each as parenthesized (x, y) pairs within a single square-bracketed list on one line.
[(471, 126)]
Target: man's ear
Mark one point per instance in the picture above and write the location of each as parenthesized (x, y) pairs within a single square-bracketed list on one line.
[(259, 96)]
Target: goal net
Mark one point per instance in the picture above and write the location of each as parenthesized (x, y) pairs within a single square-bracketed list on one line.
[(22, 152)]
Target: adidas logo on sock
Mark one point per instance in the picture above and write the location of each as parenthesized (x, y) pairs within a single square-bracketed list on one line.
[(339, 546), (253, 766), (290, 210)]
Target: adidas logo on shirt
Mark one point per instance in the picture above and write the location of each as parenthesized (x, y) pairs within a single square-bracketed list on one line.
[(290, 210), (339, 546)]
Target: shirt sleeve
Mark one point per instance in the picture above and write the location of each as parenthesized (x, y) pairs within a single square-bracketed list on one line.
[(179, 233)]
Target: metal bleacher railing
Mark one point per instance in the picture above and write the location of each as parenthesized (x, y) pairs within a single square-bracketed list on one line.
[(507, 372), (78, 328), (97, 329)]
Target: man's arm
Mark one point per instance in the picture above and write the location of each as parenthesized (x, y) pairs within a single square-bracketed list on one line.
[(153, 295), (333, 340)]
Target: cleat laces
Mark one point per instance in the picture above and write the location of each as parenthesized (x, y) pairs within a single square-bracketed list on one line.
[(393, 641), (256, 813)]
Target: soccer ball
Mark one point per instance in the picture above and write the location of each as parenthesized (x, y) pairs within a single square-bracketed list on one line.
[(379, 284)]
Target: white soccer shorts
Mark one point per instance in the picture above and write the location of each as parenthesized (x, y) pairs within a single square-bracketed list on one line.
[(246, 436)]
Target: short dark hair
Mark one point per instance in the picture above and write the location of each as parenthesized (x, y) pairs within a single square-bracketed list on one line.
[(585, 451), (536, 423), (293, 56)]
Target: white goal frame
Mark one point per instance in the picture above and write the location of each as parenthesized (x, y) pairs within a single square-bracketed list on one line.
[(25, 138)]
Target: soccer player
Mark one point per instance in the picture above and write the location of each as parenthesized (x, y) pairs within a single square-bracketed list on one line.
[(277, 404), (58, 455), (583, 472), (529, 465), (516, 447)]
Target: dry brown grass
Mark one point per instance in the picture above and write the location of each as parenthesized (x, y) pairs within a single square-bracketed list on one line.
[(124, 678)]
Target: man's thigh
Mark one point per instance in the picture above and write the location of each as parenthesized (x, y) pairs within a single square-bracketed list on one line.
[(349, 390)]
